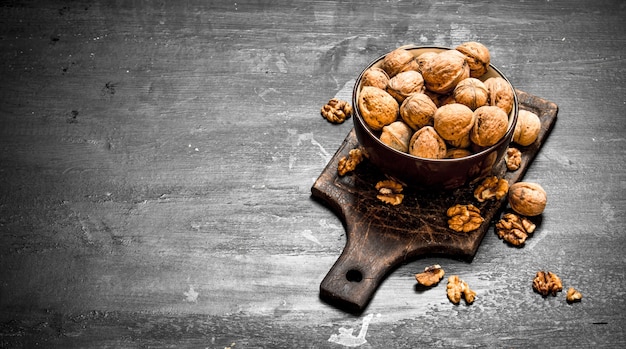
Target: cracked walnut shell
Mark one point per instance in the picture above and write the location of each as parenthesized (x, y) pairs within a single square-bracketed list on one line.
[(431, 275), (527, 199), (458, 288), (490, 126), (464, 218), (378, 108), (426, 143), (417, 111), (514, 229), (547, 283), (390, 191), (336, 111), (491, 187)]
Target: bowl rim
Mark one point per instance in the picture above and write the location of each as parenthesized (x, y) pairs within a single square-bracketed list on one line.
[(505, 137)]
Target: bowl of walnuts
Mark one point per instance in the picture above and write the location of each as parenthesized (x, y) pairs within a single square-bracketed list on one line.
[(434, 117)]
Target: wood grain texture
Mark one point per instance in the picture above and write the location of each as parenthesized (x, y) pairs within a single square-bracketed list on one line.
[(156, 160)]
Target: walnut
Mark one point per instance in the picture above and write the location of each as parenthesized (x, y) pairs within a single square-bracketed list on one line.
[(527, 199), (478, 57), (431, 275), (491, 187), (490, 126), (336, 111), (456, 153), (423, 58), (389, 191), (514, 229), (458, 288), (397, 136), (573, 295), (417, 111), (397, 61), (546, 283), (513, 159), (464, 218), (527, 128), (444, 71), (404, 84), (375, 77), (471, 92), (377, 107), (426, 143), (349, 163), (500, 93), (453, 122)]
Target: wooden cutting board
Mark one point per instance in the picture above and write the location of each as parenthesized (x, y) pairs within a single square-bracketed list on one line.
[(380, 237)]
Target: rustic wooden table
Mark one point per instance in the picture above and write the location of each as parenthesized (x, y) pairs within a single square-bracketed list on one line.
[(157, 158)]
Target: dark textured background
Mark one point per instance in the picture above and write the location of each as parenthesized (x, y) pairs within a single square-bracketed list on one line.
[(156, 161)]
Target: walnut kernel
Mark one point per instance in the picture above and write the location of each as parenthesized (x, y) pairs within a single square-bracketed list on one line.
[(491, 187), (464, 218), (514, 229), (458, 288), (390, 191), (527, 199), (527, 128), (336, 111), (377, 107), (349, 163), (513, 158), (431, 275), (426, 143), (547, 283), (573, 295)]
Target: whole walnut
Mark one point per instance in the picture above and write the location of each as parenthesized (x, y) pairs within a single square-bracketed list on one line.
[(444, 71), (527, 128), (527, 199), (404, 84), (471, 92), (500, 93), (417, 111), (490, 126), (423, 58), (426, 143), (377, 107), (397, 136), (375, 77), (397, 61), (453, 122), (478, 57)]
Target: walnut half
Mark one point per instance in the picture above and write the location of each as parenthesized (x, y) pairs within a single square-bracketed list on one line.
[(336, 111), (464, 218), (491, 187), (458, 288), (514, 229), (547, 283), (431, 275), (390, 192), (348, 163)]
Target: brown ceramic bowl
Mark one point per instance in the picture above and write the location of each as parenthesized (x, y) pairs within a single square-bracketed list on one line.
[(424, 173)]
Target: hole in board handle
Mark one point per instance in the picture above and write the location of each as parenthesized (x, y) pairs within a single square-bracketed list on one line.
[(354, 275)]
